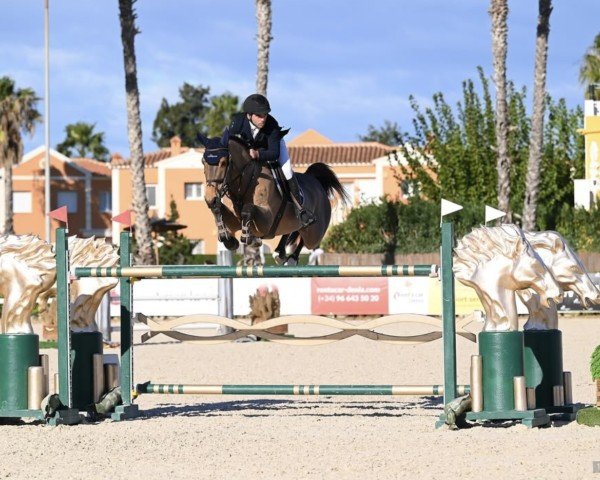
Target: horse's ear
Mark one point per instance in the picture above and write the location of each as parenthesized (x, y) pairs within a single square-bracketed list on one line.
[(202, 139)]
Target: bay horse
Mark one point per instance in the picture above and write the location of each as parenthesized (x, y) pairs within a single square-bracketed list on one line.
[(260, 210)]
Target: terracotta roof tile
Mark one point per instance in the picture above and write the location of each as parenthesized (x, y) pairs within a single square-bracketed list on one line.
[(94, 166), (301, 155), (338, 153), (117, 161)]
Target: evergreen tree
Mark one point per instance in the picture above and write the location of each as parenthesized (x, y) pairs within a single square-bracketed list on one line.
[(389, 134), (451, 152), (195, 113)]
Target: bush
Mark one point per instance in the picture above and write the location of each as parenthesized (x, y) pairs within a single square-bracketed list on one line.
[(393, 227), (595, 363), (589, 416), (580, 227)]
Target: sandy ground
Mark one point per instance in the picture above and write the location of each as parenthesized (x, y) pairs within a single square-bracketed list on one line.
[(306, 437)]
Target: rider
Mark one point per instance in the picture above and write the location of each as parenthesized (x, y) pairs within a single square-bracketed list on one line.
[(254, 123)]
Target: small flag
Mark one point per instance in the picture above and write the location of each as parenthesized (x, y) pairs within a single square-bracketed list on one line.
[(449, 207), (492, 214), (59, 214), (124, 218)]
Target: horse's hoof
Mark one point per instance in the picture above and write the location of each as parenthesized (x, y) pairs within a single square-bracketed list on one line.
[(279, 260), (231, 243), (291, 262)]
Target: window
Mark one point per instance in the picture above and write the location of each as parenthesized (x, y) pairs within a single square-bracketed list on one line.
[(22, 202), (105, 202), (194, 191), (67, 199), (151, 194)]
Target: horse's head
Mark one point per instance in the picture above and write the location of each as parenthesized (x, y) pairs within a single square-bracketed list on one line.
[(215, 160), (529, 270), (565, 265)]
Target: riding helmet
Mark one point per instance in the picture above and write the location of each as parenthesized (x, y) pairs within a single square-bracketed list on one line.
[(256, 103)]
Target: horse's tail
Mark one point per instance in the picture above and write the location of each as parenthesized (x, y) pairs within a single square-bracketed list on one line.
[(328, 180)]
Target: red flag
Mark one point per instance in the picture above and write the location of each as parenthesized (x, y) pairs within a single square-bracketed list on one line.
[(124, 218), (59, 214)]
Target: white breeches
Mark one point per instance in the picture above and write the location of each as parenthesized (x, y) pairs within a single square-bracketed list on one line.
[(284, 160)]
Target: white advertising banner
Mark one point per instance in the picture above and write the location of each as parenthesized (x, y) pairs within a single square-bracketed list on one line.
[(177, 297)]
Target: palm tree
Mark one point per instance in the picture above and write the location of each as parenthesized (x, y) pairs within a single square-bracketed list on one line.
[(263, 17), (145, 252), (589, 74), (18, 114), (263, 37), (499, 14), (532, 181), (82, 141)]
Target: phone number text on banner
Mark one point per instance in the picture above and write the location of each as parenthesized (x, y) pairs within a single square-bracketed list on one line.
[(349, 296)]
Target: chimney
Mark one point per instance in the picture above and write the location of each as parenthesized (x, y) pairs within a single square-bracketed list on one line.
[(116, 158), (175, 146)]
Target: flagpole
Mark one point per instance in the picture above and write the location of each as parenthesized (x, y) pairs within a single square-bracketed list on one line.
[(47, 116)]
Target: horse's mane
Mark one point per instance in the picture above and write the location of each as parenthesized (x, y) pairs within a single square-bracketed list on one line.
[(29, 249), (241, 141), (485, 243), (92, 251), (548, 240)]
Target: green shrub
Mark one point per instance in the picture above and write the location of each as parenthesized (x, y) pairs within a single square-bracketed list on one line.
[(589, 416), (595, 363)]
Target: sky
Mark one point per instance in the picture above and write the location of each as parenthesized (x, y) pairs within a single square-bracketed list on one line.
[(336, 66)]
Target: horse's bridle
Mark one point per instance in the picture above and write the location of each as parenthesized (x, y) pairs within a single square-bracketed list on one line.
[(222, 185)]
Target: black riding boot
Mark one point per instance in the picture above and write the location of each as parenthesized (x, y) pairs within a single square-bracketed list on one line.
[(306, 217)]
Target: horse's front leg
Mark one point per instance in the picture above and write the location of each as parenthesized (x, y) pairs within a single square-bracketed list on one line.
[(248, 218), (224, 235)]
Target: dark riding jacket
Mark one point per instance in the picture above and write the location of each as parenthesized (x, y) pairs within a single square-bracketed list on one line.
[(266, 141)]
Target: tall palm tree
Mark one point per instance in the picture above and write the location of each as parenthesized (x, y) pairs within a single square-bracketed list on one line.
[(18, 114), (263, 18), (532, 181), (263, 38), (82, 141), (589, 74), (499, 14), (145, 252)]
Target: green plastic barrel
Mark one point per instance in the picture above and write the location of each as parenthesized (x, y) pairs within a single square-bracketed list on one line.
[(18, 352), (543, 364), (84, 345), (502, 357)]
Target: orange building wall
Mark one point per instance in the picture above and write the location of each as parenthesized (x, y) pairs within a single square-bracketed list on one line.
[(64, 177), (193, 213)]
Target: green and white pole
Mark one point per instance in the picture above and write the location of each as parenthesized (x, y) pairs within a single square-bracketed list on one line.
[(127, 409), (65, 379), (212, 271), (301, 390), (448, 313)]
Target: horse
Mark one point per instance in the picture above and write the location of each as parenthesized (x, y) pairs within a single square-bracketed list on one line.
[(496, 262), (568, 271), (258, 207)]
